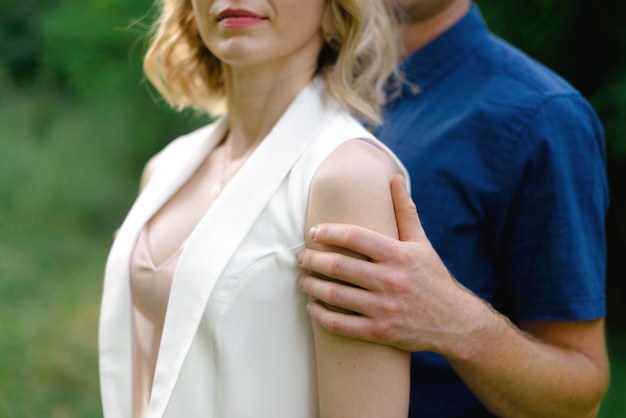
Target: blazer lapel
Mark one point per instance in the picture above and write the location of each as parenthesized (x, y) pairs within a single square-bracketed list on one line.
[(223, 228), (115, 355)]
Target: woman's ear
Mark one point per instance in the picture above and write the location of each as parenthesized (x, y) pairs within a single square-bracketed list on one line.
[(328, 27)]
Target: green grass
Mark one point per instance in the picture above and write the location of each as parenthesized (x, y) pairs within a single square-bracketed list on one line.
[(58, 206), (48, 311)]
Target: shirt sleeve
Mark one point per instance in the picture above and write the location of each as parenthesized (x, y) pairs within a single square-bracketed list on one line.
[(554, 239)]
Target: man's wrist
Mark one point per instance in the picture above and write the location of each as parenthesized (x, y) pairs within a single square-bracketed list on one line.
[(478, 323)]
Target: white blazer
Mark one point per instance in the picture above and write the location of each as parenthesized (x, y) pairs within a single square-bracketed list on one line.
[(237, 341)]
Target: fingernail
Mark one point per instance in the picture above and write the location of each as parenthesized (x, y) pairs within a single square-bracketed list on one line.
[(300, 256), (300, 282), (313, 232)]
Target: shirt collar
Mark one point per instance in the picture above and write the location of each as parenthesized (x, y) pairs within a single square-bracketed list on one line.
[(443, 53)]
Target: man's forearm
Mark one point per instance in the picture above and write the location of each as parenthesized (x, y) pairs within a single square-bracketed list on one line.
[(517, 375)]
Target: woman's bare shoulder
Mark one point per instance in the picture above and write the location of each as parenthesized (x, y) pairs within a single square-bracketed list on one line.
[(358, 161), (353, 185)]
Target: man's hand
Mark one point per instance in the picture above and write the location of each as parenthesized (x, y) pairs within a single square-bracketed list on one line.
[(404, 295)]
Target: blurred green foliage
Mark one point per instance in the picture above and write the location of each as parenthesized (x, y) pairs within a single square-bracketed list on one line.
[(78, 122)]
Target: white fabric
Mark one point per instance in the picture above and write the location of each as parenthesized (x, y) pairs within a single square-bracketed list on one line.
[(237, 341)]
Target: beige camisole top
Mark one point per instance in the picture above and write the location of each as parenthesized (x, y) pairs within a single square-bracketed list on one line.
[(150, 288)]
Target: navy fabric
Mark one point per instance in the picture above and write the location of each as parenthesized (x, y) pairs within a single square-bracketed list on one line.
[(507, 164)]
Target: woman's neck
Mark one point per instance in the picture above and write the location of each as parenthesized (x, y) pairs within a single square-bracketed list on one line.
[(256, 101)]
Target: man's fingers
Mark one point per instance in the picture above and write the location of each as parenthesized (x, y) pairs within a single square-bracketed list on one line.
[(354, 326), (336, 295), (355, 271), (409, 226), (366, 242)]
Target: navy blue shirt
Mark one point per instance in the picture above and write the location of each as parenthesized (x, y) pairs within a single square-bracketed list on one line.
[(507, 165)]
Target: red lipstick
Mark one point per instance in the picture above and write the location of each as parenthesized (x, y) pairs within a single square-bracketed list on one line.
[(239, 18)]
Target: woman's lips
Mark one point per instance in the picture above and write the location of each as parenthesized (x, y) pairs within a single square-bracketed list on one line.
[(238, 18)]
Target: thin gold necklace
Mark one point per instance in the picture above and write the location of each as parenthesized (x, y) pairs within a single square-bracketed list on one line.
[(226, 176)]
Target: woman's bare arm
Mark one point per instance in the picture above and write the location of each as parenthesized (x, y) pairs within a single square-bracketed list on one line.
[(357, 378)]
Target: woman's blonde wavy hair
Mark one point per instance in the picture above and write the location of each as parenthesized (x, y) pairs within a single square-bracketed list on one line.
[(358, 56)]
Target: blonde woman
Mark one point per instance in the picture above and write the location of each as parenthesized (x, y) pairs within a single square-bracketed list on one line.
[(201, 313)]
